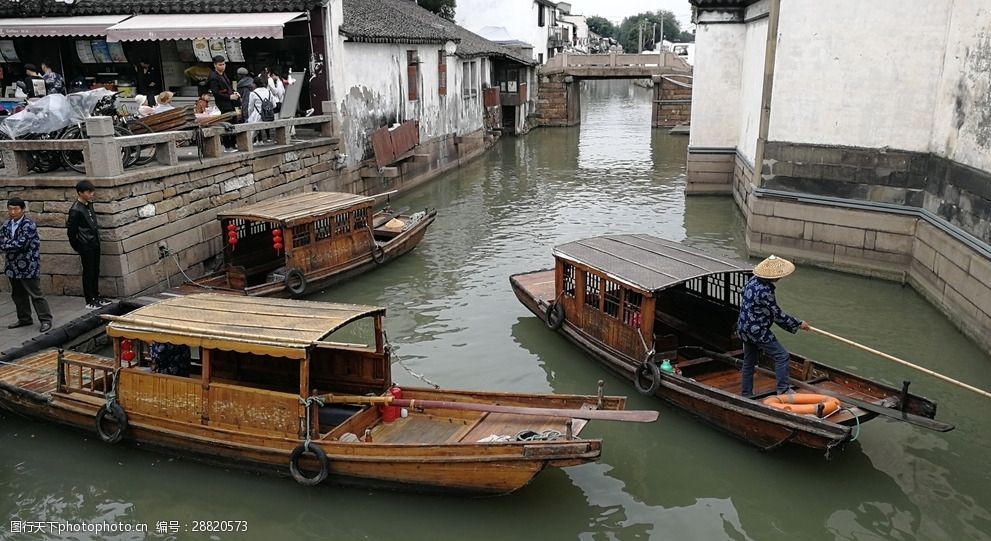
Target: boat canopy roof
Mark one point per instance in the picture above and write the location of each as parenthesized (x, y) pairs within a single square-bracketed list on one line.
[(277, 327), (298, 207), (646, 262)]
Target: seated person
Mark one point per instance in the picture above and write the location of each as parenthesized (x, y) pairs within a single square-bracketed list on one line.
[(143, 109), (170, 359), (164, 102)]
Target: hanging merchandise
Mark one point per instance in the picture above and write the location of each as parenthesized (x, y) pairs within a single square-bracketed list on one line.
[(117, 52), (201, 48), (85, 51), (217, 48), (8, 51), (234, 52), (101, 51), (184, 48)]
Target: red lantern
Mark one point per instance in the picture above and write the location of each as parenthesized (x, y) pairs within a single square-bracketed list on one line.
[(231, 227), (277, 246), (232, 237), (126, 345), (127, 355), (277, 233)]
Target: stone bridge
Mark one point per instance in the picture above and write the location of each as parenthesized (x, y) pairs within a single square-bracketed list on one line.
[(558, 97)]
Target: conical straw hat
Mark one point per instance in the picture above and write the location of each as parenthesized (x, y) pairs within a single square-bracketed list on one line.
[(773, 268)]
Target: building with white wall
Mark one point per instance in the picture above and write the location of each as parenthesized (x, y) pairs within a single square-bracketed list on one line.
[(393, 61), (529, 21), (860, 142)]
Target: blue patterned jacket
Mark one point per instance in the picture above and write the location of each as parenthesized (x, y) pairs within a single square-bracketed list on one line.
[(758, 310), (23, 249)]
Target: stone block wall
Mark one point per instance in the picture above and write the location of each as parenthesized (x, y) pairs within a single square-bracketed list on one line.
[(176, 206), (711, 171), (906, 244), (558, 102), (672, 101)]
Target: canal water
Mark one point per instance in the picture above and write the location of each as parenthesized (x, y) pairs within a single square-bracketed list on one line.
[(455, 320)]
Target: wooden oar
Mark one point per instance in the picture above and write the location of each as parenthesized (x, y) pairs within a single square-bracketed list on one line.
[(634, 416), (910, 418), (901, 361)]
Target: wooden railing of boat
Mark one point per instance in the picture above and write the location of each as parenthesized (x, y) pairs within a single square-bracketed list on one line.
[(85, 377)]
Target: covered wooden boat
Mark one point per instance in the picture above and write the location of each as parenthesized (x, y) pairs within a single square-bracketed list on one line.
[(263, 388), (301, 243), (633, 301)]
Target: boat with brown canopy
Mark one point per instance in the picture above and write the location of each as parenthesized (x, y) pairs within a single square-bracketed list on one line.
[(663, 315), (303, 388), (298, 244)]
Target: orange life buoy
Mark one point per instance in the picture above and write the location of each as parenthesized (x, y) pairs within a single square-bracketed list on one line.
[(803, 403)]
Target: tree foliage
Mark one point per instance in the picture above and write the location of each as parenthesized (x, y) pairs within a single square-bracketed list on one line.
[(601, 26), (444, 8), (630, 30)]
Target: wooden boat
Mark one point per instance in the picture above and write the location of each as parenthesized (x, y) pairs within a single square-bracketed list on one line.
[(263, 389), (301, 243), (632, 301)]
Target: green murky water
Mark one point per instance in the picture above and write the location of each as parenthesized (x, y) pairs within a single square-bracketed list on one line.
[(455, 319)]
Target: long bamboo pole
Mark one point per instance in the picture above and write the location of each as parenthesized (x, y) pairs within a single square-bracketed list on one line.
[(635, 416), (900, 361)]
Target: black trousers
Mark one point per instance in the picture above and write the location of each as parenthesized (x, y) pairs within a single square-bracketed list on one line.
[(25, 292), (91, 274)]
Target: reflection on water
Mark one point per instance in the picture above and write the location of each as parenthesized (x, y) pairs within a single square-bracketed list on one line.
[(455, 319)]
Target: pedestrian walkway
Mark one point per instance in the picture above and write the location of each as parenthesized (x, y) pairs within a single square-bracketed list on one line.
[(64, 309)]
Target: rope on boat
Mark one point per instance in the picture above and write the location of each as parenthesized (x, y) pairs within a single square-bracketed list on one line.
[(307, 403), (546, 435), (402, 363), (175, 257), (649, 352), (856, 429)]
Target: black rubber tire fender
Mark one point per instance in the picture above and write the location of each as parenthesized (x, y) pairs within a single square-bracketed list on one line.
[(378, 254), (555, 315), (297, 472), (116, 413), (647, 370), (295, 282)]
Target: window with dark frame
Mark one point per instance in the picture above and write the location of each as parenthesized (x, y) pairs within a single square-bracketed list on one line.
[(569, 280), (322, 229), (632, 302), (300, 235), (413, 74), (441, 72), (360, 219), (540, 15), (592, 289), (342, 223), (611, 299)]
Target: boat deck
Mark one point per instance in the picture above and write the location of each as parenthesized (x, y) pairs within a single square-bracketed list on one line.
[(429, 429), (538, 284), (38, 373)]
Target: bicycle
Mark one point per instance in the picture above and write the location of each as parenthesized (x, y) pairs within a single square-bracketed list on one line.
[(123, 126)]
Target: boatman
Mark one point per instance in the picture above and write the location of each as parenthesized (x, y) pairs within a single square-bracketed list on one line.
[(758, 310)]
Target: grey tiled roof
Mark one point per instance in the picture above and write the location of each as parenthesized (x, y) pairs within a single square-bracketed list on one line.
[(721, 3), (402, 21), (36, 8)]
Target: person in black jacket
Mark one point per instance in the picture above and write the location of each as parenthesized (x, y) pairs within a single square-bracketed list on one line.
[(84, 237), (224, 95)]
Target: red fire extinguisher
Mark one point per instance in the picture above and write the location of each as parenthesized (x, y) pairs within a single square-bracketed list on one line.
[(391, 413)]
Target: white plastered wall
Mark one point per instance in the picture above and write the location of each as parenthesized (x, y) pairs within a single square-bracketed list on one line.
[(518, 17), (751, 88), (962, 114), (716, 86), (374, 93), (868, 78)]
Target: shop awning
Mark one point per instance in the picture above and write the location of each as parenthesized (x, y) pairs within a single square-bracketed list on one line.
[(202, 25), (95, 25)]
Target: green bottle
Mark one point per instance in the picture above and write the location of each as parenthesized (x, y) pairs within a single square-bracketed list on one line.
[(666, 366)]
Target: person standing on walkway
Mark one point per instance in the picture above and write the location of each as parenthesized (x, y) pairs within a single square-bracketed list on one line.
[(758, 311), (223, 95), (22, 247), (84, 237)]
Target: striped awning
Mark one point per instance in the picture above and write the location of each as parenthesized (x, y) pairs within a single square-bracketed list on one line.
[(202, 25), (93, 25)]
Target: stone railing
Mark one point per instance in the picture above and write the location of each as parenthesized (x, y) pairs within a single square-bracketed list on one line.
[(664, 59), (102, 150)]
